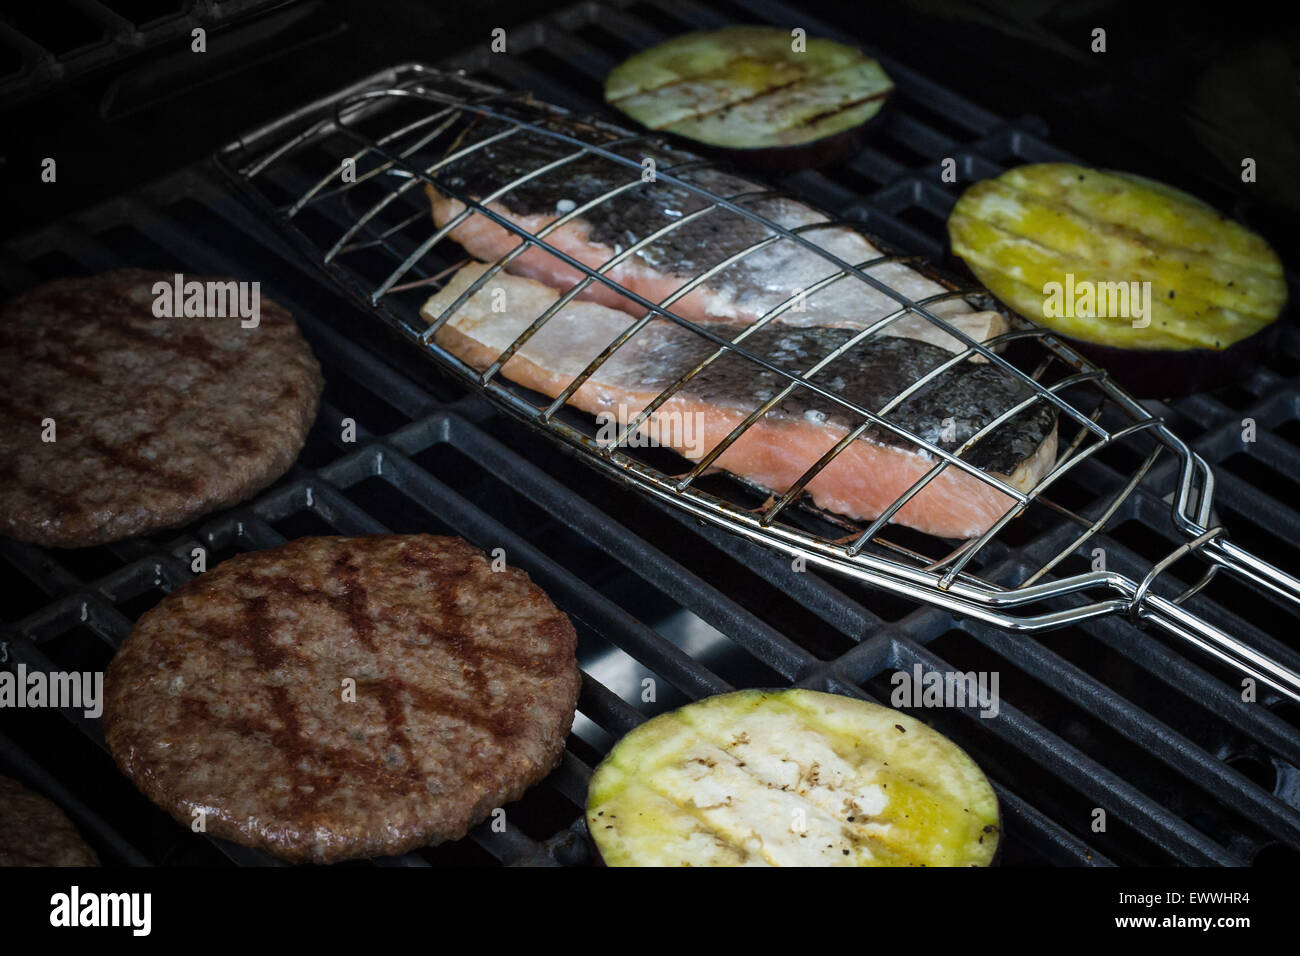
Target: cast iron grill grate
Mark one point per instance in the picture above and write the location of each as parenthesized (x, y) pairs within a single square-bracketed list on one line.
[(58, 40), (1101, 715)]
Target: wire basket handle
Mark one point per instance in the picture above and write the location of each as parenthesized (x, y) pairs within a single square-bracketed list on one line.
[(1169, 614)]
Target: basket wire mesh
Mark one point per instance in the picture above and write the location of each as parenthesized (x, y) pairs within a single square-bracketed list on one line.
[(411, 125)]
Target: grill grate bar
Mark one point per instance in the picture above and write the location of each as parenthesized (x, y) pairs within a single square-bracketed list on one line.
[(1059, 844), (652, 564), (1174, 750), (1086, 775), (120, 37), (20, 649), (1185, 678), (1049, 838), (570, 595), (27, 652), (19, 764)]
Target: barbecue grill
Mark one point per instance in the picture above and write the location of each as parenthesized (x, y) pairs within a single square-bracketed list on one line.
[(1099, 714)]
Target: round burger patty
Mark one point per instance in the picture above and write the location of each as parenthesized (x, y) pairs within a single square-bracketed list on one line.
[(35, 832), (344, 697), (156, 420)]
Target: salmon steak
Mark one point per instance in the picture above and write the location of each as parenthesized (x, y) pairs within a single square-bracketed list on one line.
[(783, 272), (867, 476)]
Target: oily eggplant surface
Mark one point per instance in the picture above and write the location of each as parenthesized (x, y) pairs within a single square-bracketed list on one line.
[(758, 94), (790, 778), (1161, 289)]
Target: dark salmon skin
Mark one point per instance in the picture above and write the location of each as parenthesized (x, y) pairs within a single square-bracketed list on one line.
[(740, 293)]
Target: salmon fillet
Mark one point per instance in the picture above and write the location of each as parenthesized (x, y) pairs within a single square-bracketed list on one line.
[(861, 483), (739, 294)]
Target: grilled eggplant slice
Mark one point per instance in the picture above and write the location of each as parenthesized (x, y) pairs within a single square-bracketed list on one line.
[(749, 89), (790, 778), (1157, 286)]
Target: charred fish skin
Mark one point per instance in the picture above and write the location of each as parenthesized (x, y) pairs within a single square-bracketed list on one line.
[(945, 412), (727, 249), (624, 219)]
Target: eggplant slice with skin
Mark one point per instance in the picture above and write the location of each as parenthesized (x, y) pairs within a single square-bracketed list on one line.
[(1163, 291), (790, 778), (758, 94)]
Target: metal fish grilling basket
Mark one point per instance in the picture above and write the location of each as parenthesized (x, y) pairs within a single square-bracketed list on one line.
[(361, 216)]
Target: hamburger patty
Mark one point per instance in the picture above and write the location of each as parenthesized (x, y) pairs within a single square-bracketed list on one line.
[(157, 420), (35, 832), (231, 697)]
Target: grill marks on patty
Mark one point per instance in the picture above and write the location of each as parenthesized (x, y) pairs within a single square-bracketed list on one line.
[(254, 631), (159, 420), (228, 696)]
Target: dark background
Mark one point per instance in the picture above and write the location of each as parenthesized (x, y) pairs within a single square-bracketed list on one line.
[(1180, 95)]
